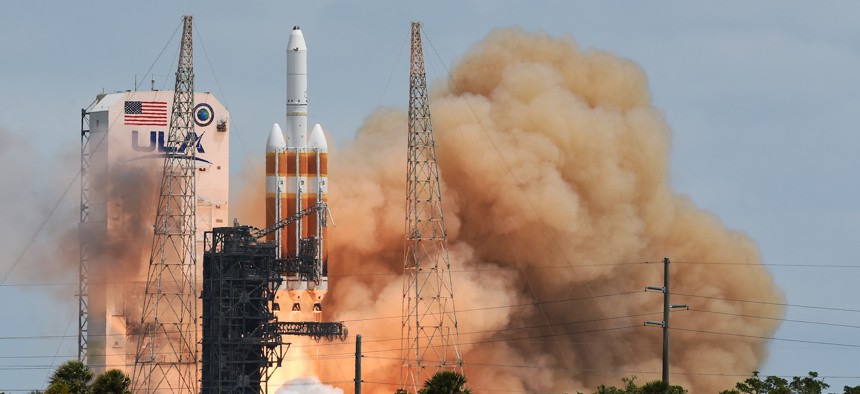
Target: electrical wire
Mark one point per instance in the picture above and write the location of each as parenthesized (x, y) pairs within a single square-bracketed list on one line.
[(775, 318), (136, 87), (769, 303), (234, 128), (769, 264), (851, 345)]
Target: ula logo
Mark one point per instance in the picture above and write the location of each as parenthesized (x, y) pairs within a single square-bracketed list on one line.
[(156, 141)]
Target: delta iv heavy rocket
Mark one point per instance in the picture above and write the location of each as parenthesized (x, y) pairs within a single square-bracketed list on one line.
[(296, 180)]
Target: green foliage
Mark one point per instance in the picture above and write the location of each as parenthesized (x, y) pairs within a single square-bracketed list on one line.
[(777, 385), (445, 382), (58, 388), (658, 387), (808, 385), (630, 387), (71, 377), (755, 384), (113, 381)]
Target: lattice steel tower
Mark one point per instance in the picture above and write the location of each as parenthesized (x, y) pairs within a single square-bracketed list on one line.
[(166, 357), (431, 339), (85, 246)]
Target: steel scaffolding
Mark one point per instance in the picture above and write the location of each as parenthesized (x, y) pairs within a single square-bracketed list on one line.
[(429, 333), (83, 241), (166, 356), (242, 338)]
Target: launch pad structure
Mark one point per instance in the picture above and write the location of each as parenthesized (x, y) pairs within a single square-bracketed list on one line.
[(239, 339), (242, 337)]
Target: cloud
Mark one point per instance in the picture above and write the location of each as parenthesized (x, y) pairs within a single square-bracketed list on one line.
[(554, 171), (307, 385)]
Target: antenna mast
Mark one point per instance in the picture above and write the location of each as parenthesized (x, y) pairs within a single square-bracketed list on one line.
[(166, 357), (431, 339)]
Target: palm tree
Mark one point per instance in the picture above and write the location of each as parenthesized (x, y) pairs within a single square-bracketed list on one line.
[(445, 382), (71, 377), (113, 381)]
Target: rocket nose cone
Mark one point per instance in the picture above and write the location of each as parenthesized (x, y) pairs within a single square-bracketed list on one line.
[(297, 41), (276, 140), (317, 139)]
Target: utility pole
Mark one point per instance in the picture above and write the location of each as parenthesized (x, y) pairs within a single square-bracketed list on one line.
[(665, 323), (358, 364)]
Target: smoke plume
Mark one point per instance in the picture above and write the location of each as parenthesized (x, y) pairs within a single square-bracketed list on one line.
[(54, 253), (555, 172), (31, 185), (308, 385)]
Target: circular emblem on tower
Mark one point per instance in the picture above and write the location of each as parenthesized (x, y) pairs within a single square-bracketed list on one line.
[(203, 114)]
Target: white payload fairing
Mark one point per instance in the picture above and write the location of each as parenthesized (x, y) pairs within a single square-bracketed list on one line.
[(297, 90), (297, 179)]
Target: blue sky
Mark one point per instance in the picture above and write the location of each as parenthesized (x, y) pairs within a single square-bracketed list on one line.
[(761, 97)]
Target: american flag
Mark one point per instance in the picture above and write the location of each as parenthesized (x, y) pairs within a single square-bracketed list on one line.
[(146, 113)]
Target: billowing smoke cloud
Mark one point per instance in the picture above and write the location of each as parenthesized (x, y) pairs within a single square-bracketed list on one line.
[(43, 202), (555, 179), (39, 233), (555, 174), (132, 189), (308, 385), (54, 255)]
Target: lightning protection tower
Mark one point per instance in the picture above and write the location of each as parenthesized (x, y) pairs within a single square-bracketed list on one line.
[(166, 357), (430, 336)]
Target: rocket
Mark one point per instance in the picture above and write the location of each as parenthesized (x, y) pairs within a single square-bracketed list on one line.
[(297, 179)]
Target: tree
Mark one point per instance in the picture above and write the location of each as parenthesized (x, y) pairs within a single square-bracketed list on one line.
[(852, 390), (754, 385), (113, 381), (658, 387), (630, 387), (445, 382), (776, 385), (808, 385), (58, 388), (71, 377)]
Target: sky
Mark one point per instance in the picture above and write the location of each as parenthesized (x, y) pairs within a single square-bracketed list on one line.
[(760, 96)]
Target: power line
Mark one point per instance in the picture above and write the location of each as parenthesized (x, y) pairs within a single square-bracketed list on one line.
[(770, 303), (179, 26), (776, 318), (768, 338), (39, 229), (455, 271), (771, 264), (496, 269), (536, 303)]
